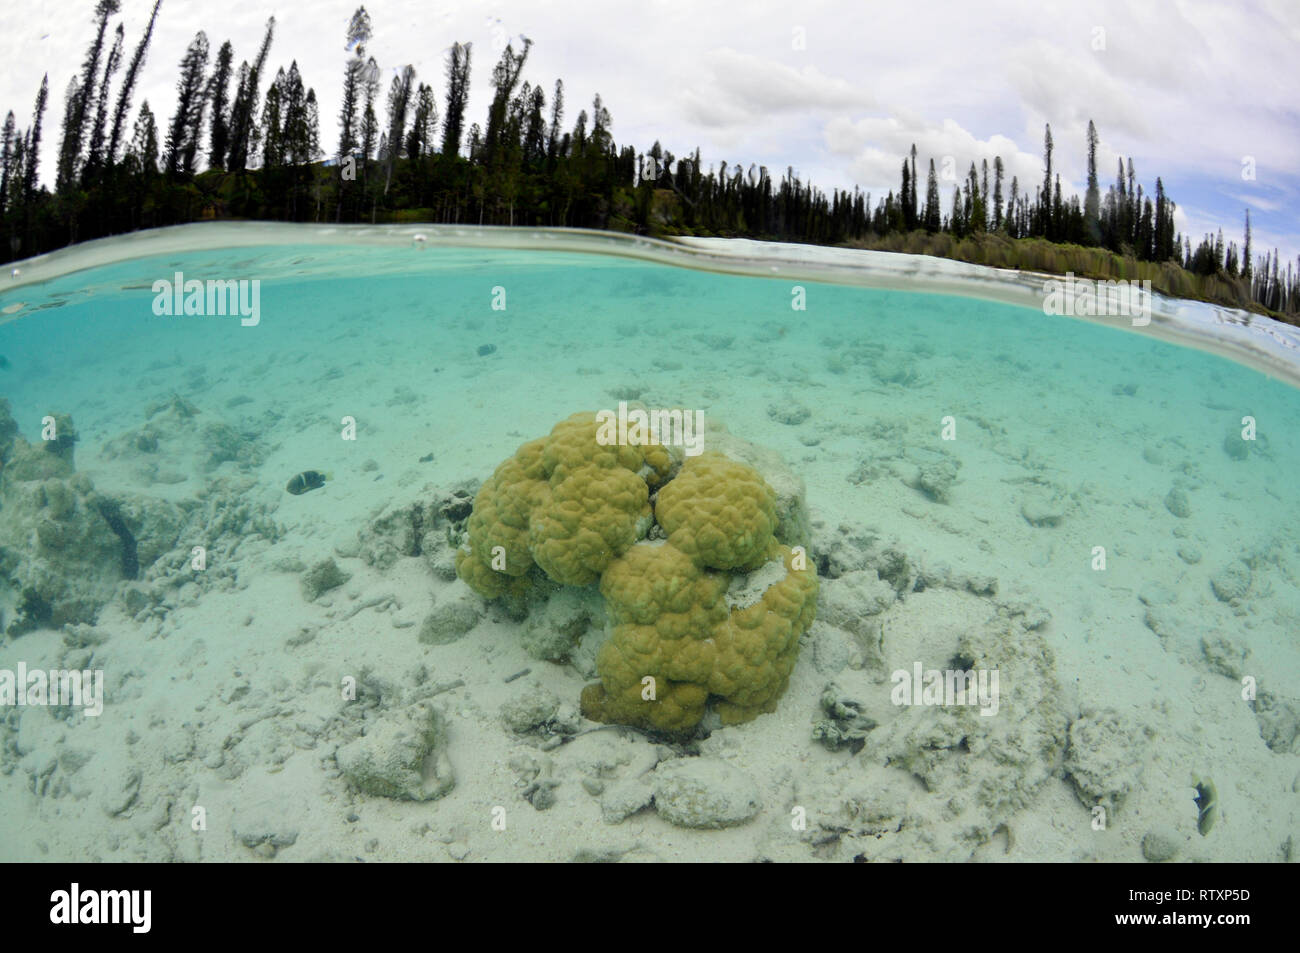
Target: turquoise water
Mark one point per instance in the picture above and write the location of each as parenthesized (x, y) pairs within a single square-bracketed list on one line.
[(1069, 436)]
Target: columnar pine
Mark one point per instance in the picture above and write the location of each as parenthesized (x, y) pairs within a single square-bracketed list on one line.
[(458, 60), (183, 133), (128, 87), (218, 94)]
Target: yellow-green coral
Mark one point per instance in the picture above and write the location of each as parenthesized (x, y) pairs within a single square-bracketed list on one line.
[(719, 512), (586, 520), (688, 627), (675, 626), (564, 503)]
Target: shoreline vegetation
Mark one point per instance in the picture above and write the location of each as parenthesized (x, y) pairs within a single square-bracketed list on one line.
[(242, 144)]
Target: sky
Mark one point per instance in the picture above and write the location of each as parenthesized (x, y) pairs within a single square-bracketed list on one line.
[(1203, 94)]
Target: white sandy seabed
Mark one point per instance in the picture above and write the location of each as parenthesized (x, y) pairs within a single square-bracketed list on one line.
[(223, 688)]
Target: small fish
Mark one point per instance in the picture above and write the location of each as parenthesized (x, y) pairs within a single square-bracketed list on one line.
[(4, 363), (308, 480)]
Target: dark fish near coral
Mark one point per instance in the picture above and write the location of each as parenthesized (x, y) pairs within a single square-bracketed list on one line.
[(307, 480)]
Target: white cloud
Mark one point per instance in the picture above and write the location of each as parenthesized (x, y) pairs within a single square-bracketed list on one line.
[(739, 88), (875, 148)]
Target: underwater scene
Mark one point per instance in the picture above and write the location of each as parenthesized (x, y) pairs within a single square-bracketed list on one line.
[(366, 543)]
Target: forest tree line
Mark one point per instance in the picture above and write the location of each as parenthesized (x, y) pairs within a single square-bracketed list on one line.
[(242, 143)]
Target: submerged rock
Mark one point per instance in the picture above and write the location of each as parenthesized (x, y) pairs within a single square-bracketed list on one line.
[(321, 578), (66, 548), (429, 526), (530, 711), (402, 756), (178, 442), (789, 412), (553, 631), (453, 617), (1176, 502), (1235, 447), (264, 828), (1224, 656), (1231, 584), (1161, 844), (1279, 721), (844, 724), (620, 801), (853, 603), (1106, 755), (704, 793), (930, 472), (61, 558), (1043, 510)]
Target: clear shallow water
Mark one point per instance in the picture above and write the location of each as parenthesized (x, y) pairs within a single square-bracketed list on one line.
[(1100, 423)]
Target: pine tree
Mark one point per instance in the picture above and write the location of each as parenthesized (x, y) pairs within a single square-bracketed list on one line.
[(912, 209), (243, 111), (458, 60), (984, 193), (399, 103), (1164, 237), (30, 161), (905, 195), (182, 136), (601, 140), (975, 218), (505, 77), (1122, 214), (308, 146), (358, 35), (997, 192), (143, 147), (1056, 213), (1092, 203), (7, 162), (535, 129), (932, 201), (297, 147), (32, 150), (95, 153), (579, 141), (218, 93), (272, 135), (369, 121), (1247, 261), (128, 86), (557, 117), (955, 223), (1134, 205), (79, 104), (1045, 209), (1013, 221), (18, 175), (424, 121), (1146, 236)]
